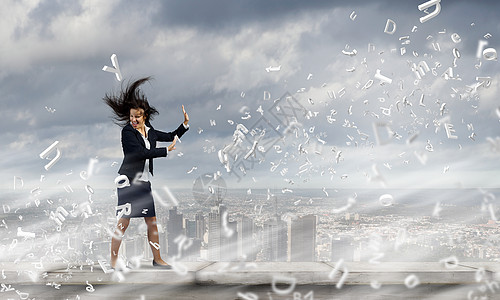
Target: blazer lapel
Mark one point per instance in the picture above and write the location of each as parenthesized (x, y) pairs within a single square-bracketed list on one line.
[(152, 143)]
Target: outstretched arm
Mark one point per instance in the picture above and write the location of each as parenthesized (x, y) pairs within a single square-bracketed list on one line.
[(169, 136)]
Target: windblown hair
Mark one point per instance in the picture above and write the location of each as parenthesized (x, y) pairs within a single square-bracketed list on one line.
[(128, 98)]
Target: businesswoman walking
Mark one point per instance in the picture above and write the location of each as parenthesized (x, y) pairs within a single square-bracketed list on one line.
[(133, 112)]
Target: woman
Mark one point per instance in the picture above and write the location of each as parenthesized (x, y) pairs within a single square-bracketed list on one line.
[(133, 112)]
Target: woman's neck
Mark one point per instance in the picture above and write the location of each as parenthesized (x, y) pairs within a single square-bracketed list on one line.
[(142, 130)]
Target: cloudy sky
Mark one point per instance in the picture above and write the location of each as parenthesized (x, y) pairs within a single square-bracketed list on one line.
[(212, 57)]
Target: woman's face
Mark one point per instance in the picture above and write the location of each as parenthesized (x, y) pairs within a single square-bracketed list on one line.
[(137, 118)]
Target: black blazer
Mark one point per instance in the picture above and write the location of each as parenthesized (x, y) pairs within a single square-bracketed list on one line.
[(135, 151)]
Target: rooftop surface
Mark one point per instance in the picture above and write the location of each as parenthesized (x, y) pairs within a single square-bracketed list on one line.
[(254, 280)]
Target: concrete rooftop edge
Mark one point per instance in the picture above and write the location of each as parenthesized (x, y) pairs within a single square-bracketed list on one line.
[(251, 273)]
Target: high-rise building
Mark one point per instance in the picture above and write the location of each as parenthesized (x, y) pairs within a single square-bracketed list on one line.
[(246, 242), (129, 246), (342, 248), (214, 234), (192, 253), (274, 240), (200, 225), (302, 238), (174, 229), (146, 248), (222, 235), (162, 237), (190, 228), (229, 250)]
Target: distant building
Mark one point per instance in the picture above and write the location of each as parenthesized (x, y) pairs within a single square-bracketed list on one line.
[(192, 253), (302, 238), (174, 229), (101, 247), (342, 248), (190, 228), (162, 238), (246, 242), (274, 244), (229, 251), (129, 247), (222, 235), (478, 252), (214, 234), (146, 248), (200, 225)]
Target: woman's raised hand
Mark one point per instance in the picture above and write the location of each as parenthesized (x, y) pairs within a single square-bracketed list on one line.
[(186, 117), (172, 146)]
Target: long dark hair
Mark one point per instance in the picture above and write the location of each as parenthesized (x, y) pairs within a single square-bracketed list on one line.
[(129, 97)]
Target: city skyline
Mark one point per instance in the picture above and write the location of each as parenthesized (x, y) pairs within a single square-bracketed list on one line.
[(363, 132), (438, 233)]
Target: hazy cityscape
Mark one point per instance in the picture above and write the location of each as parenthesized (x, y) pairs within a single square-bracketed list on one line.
[(215, 224)]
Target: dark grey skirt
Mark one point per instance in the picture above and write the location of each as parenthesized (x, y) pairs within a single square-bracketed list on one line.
[(139, 196)]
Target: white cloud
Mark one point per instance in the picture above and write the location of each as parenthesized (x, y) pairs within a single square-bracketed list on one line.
[(22, 141), (71, 35), (206, 68)]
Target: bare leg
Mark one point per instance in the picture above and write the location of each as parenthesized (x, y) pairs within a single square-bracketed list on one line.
[(116, 242), (154, 239)]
